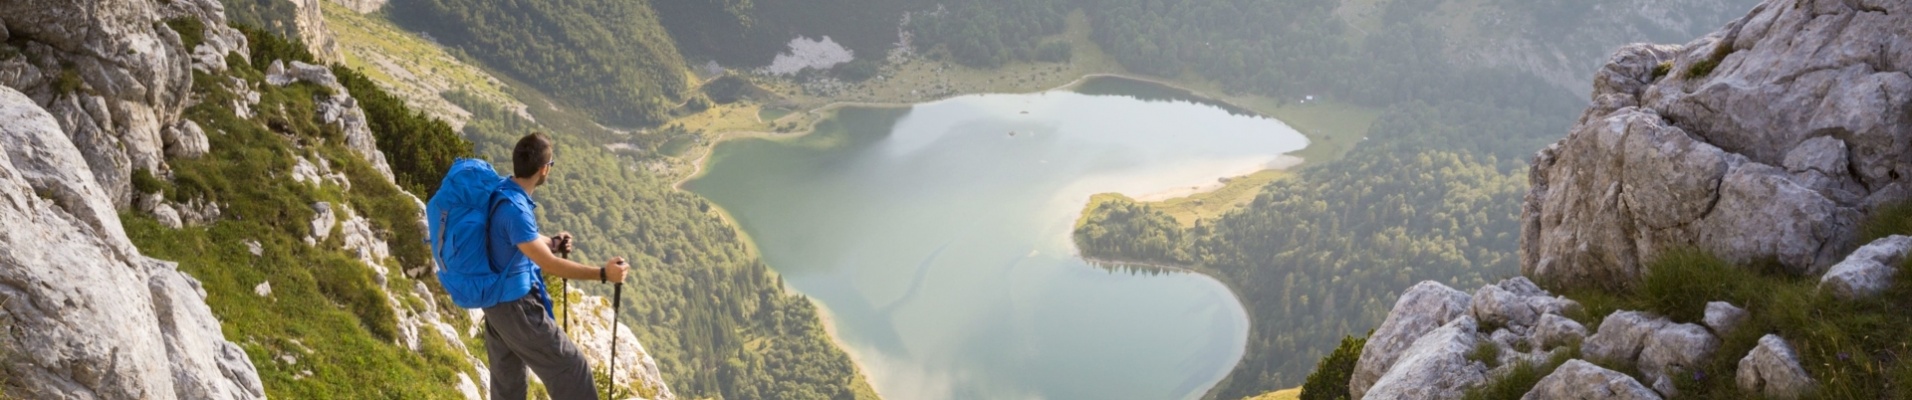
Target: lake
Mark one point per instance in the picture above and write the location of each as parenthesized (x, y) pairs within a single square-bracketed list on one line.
[(937, 238)]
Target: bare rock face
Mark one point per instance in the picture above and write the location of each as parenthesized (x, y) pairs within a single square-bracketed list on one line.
[(1555, 330), (635, 368), (310, 20), (113, 75), (1772, 369), (1581, 380), (1869, 270), (1770, 138), (1435, 367), (340, 109), (89, 316), (1421, 309)]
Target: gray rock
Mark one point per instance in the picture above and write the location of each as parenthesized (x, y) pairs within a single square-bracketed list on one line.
[(186, 140), (1673, 350), (1777, 152), (1422, 308), (1772, 369), (254, 247), (1555, 331), (1621, 337), (1722, 317), (281, 73), (1665, 386), (309, 18), (1869, 270), (147, 330), (134, 72), (1515, 302), (1581, 380), (168, 216), (1435, 367), (323, 219)]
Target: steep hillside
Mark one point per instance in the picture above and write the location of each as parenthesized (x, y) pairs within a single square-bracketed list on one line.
[(610, 58), (296, 263), (717, 320)]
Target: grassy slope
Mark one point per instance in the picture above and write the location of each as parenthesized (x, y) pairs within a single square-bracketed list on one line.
[(327, 330)]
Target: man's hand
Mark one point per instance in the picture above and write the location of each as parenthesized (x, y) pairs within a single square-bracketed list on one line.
[(561, 244), (614, 270)]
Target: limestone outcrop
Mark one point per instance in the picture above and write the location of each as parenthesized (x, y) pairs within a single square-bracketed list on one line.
[(88, 315), (1768, 139), (115, 76), (591, 331)]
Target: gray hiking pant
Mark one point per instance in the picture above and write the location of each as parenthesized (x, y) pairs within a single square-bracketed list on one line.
[(518, 334)]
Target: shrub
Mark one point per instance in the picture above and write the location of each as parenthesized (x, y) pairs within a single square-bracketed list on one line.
[(68, 82), (145, 183), (1660, 71), (191, 31), (1329, 381)]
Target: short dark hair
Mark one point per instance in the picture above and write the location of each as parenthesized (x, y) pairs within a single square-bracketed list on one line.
[(533, 153)]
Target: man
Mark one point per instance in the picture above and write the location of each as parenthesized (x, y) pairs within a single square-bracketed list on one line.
[(520, 333)]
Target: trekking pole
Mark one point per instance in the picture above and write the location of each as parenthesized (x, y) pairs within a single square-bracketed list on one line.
[(617, 297), (564, 284)]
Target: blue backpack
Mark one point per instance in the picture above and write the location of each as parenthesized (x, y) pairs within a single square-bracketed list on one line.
[(459, 216)]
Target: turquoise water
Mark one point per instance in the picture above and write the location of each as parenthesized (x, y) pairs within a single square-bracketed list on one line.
[(937, 238)]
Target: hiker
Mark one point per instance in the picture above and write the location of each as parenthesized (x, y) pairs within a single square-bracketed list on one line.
[(519, 330)]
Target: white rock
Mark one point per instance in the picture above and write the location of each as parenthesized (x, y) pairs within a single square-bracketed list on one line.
[(467, 388), (591, 326), (1515, 302), (168, 216), (264, 289), (1723, 317), (323, 219), (186, 140), (148, 332), (1435, 367), (1555, 331), (1422, 308), (1772, 369), (1673, 350), (253, 246), (1776, 153), (1869, 270), (1581, 380), (1621, 336)]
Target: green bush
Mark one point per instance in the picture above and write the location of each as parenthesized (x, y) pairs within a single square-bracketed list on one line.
[(1329, 381), (144, 182), (68, 82), (191, 31)]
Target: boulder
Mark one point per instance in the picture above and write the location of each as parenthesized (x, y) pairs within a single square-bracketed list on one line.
[(1555, 331), (1722, 317), (1435, 367), (88, 315), (1581, 380), (1869, 270), (186, 140), (1767, 139), (1772, 369), (1422, 308), (1621, 337), (1516, 303), (1673, 350)]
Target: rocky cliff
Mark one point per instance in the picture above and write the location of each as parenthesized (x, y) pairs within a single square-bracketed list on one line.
[(1766, 142), (1769, 139)]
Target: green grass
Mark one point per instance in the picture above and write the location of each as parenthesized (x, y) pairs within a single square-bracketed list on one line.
[(1660, 71), (68, 82), (1854, 349), (1332, 128), (1704, 67), (768, 114), (1520, 379), (326, 309), (1486, 352)]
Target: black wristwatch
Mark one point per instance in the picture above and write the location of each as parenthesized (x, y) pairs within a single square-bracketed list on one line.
[(601, 277)]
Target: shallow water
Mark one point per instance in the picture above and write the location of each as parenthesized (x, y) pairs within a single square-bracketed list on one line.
[(937, 238)]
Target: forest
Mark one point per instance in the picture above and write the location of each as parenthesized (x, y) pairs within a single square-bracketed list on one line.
[(609, 58)]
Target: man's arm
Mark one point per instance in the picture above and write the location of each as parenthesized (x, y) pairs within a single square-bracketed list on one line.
[(539, 251)]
